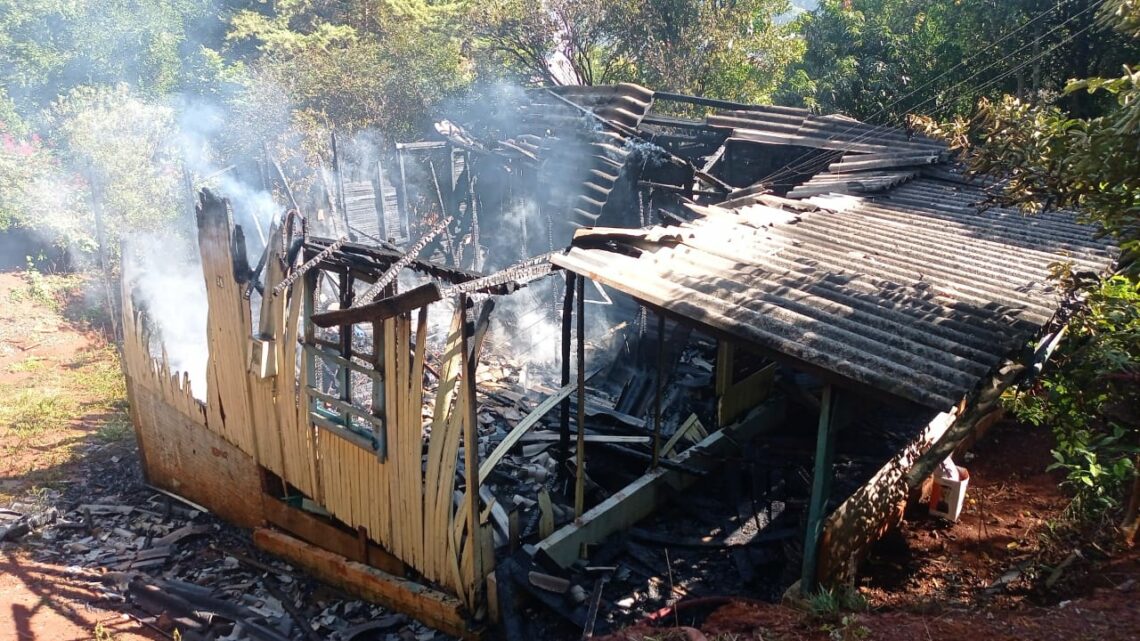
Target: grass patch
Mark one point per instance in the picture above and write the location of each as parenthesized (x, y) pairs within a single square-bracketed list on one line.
[(48, 290), (29, 365), (95, 374), (101, 633), (115, 429), (29, 412)]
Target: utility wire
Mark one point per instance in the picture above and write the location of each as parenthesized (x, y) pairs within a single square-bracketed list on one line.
[(800, 164)]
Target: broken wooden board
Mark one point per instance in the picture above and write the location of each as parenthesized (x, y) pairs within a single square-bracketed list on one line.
[(638, 499), (186, 458), (522, 428), (691, 424), (319, 531), (382, 309), (432, 608)]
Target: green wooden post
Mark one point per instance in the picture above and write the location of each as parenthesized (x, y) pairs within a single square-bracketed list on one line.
[(820, 487)]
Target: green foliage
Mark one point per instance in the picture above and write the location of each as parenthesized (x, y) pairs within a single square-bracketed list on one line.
[(30, 412), (829, 603), (1091, 400), (1048, 158), (732, 50), (120, 148), (882, 59), (383, 65), (49, 46)]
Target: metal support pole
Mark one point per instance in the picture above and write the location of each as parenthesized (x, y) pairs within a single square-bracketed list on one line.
[(580, 459), (567, 328), (346, 295), (820, 487)]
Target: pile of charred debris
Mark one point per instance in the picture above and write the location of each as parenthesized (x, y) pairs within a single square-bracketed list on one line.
[(172, 567)]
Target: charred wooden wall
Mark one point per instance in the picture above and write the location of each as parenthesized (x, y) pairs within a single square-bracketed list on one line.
[(258, 419)]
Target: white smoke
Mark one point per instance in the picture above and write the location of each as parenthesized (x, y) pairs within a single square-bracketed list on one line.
[(165, 275)]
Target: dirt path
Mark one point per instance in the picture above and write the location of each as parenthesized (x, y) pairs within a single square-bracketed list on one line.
[(123, 561), (61, 406)]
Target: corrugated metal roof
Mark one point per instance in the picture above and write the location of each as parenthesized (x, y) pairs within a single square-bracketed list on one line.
[(572, 148), (822, 132), (917, 291)]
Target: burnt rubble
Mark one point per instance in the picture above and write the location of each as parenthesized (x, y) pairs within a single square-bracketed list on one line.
[(173, 567)]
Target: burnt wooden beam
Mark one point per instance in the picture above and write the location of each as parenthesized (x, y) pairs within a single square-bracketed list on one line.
[(580, 456), (403, 261), (638, 499), (564, 418), (382, 309), (435, 609)]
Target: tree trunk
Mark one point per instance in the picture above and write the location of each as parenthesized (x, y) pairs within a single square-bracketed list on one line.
[(1132, 514)]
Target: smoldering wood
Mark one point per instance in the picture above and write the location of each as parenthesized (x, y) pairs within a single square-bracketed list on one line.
[(567, 327), (426, 511), (392, 272), (381, 309), (309, 264)]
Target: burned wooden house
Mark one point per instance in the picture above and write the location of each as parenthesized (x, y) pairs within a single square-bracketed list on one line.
[(791, 320)]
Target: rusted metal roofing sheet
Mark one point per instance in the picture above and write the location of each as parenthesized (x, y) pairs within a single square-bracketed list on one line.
[(916, 291)]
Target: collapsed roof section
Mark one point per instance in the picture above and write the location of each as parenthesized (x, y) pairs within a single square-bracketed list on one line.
[(918, 291), (855, 250)]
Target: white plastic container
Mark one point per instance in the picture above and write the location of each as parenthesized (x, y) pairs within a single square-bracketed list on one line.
[(947, 496)]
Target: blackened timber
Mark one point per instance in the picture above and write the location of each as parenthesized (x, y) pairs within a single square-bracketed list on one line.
[(371, 260), (382, 309), (407, 259), (309, 264), (508, 279), (580, 457), (658, 389), (564, 419)]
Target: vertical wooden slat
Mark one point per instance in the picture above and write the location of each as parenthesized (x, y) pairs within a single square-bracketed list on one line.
[(474, 575), (437, 487), (415, 431)]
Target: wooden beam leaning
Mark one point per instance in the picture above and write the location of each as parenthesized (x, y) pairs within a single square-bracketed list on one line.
[(381, 309), (522, 427), (638, 499), (435, 609)]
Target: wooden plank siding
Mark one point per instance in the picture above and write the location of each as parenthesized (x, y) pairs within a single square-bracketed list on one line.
[(261, 417)]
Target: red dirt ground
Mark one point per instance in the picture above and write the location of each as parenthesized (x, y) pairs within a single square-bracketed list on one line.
[(938, 581), (42, 602)]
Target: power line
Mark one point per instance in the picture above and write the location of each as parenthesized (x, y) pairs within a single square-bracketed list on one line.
[(800, 163)]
